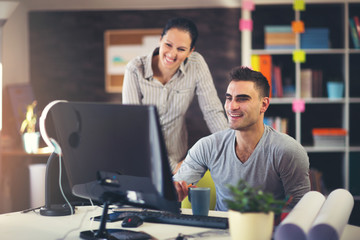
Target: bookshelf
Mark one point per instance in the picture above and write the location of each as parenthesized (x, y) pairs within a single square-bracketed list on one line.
[(339, 165)]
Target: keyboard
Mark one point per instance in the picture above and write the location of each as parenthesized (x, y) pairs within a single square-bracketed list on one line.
[(172, 218)]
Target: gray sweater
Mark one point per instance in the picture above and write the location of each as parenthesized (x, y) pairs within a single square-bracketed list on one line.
[(279, 165)]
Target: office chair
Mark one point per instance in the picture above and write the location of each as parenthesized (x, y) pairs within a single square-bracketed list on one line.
[(205, 181)]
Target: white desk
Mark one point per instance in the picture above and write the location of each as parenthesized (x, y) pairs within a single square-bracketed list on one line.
[(32, 225)]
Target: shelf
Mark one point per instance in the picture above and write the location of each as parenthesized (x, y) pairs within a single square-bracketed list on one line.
[(324, 149), (354, 149), (312, 100), (354, 51), (22, 153), (338, 62), (355, 100), (307, 51)]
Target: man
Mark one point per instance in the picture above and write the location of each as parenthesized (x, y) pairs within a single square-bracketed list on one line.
[(249, 150)]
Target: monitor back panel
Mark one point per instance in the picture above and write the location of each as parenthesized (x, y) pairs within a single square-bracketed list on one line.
[(102, 137)]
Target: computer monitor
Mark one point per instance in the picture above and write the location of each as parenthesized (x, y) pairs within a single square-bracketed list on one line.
[(115, 149)]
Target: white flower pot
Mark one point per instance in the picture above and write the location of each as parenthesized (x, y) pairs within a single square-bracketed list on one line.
[(251, 226), (31, 142)]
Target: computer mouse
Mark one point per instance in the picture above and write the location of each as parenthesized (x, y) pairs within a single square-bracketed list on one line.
[(132, 221)]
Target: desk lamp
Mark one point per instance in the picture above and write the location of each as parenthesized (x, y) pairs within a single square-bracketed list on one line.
[(52, 209)]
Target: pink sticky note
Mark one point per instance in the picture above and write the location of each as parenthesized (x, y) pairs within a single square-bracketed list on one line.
[(246, 24), (248, 5), (298, 105)]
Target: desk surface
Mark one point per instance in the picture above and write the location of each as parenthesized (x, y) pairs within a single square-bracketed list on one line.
[(32, 225)]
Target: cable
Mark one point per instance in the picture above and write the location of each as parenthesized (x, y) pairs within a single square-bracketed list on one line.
[(61, 189), (57, 149)]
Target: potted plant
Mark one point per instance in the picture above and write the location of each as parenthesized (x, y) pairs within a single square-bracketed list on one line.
[(29, 135), (251, 212)]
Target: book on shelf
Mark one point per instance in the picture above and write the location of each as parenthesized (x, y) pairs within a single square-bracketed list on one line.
[(306, 83), (265, 64), (357, 25), (315, 38), (281, 87), (316, 181), (278, 28), (317, 83), (317, 217), (311, 83), (278, 123), (277, 90), (354, 33), (279, 37)]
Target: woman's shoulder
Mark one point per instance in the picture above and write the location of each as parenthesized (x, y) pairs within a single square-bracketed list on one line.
[(196, 61), (196, 56), (140, 62), (137, 62)]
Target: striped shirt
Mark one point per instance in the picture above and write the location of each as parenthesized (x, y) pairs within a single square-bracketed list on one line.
[(173, 99)]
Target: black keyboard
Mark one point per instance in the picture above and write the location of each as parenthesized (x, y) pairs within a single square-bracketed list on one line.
[(171, 218)]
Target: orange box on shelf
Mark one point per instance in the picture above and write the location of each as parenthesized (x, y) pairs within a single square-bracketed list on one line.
[(329, 137)]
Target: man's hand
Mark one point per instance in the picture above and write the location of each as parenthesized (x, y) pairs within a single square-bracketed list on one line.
[(181, 189)]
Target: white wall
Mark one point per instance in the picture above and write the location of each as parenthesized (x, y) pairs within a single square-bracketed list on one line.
[(16, 47), (16, 36)]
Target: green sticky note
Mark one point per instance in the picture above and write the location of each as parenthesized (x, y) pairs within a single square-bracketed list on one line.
[(299, 56), (299, 5)]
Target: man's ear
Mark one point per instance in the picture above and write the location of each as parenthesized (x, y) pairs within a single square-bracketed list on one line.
[(265, 104)]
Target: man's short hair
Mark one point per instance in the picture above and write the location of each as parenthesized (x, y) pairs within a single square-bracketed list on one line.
[(246, 74)]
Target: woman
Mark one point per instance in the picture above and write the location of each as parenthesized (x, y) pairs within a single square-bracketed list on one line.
[(169, 77)]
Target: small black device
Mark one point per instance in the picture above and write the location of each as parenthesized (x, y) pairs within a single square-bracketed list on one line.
[(132, 221)]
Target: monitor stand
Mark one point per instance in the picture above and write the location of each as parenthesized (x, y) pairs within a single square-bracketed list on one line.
[(102, 233), (111, 234)]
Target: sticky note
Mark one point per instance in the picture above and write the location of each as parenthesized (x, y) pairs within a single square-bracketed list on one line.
[(299, 56), (255, 62), (298, 105), (246, 24), (298, 26), (248, 5), (299, 5)]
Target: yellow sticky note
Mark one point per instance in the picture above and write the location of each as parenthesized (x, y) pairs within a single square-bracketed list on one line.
[(299, 56), (299, 5), (255, 62)]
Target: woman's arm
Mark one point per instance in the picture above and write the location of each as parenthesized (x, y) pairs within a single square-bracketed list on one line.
[(131, 93), (209, 101)]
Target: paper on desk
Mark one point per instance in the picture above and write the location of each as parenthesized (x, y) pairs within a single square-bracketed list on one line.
[(316, 218), (333, 216), (300, 219)]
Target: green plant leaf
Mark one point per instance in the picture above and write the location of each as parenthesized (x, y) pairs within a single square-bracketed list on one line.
[(250, 199)]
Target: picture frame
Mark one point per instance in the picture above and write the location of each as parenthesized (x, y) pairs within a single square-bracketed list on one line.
[(120, 47)]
